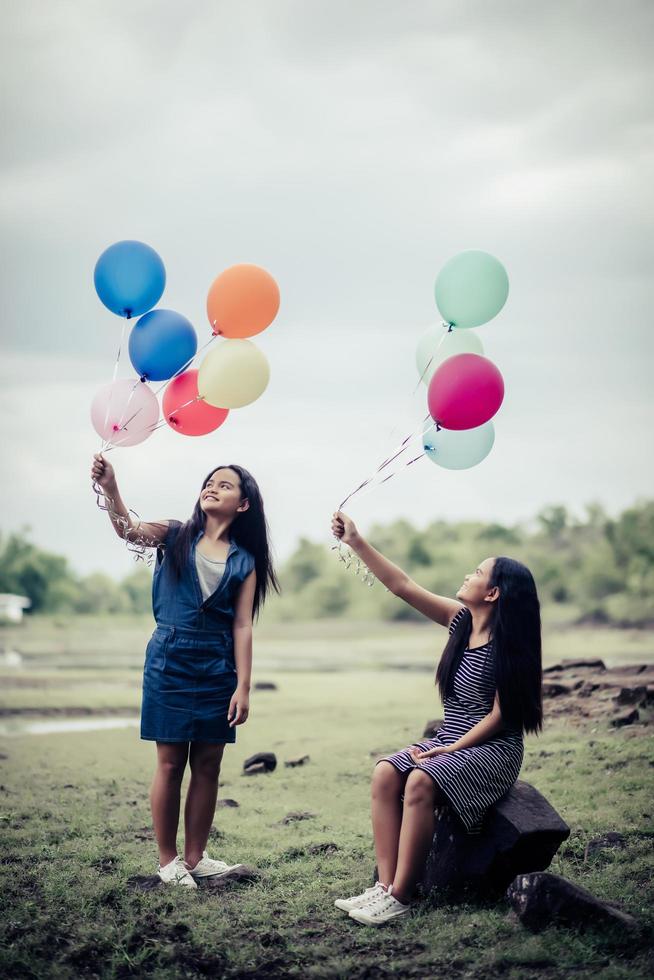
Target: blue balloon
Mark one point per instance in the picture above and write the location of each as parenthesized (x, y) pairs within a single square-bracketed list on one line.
[(160, 343), (129, 278)]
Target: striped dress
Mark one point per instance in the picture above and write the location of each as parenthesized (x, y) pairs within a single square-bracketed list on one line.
[(472, 779)]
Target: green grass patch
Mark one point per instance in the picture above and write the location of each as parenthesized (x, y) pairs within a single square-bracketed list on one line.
[(75, 824)]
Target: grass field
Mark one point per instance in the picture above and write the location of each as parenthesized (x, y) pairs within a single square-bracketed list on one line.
[(75, 825)]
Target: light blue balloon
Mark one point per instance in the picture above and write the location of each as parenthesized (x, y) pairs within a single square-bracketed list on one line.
[(471, 289), (129, 278), (458, 449), (160, 343)]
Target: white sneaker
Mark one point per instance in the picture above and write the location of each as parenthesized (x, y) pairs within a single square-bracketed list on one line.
[(208, 868), (358, 901), (176, 873), (382, 909)]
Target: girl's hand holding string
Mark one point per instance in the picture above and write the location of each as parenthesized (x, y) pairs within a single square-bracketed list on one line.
[(103, 472), (239, 707), (344, 528)]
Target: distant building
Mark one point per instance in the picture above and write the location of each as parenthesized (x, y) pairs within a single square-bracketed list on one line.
[(11, 607)]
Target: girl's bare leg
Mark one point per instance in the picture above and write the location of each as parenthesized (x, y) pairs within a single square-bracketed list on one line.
[(165, 796), (205, 759), (387, 787), (421, 795)]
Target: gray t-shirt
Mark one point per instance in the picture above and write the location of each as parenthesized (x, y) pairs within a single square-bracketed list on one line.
[(209, 572)]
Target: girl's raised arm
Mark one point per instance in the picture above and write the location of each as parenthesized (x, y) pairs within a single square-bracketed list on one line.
[(150, 533), (437, 607)]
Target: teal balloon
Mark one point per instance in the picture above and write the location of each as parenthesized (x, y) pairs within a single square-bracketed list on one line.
[(458, 449), (471, 289)]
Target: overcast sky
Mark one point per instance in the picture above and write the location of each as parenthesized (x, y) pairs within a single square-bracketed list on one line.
[(350, 149)]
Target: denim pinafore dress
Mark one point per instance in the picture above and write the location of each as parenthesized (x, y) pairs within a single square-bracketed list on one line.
[(189, 674)]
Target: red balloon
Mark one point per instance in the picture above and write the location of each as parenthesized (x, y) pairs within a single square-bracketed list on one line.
[(465, 391), (193, 419)]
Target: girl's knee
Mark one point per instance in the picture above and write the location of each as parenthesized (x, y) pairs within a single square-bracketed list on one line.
[(172, 769), (386, 780), (420, 789), (205, 762)]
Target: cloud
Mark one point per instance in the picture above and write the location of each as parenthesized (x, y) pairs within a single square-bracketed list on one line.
[(351, 149)]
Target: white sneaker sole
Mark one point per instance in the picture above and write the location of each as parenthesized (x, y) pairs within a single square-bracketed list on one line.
[(180, 884), (365, 921), (216, 874)]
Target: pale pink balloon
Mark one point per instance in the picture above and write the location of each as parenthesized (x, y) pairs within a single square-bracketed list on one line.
[(124, 412), (185, 415), (465, 391)]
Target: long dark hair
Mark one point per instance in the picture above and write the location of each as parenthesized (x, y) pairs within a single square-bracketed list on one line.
[(517, 651), (249, 530)]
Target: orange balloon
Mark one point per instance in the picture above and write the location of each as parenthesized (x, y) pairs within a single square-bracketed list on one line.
[(242, 301)]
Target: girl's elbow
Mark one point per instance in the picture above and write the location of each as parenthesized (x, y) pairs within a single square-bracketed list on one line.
[(399, 587)]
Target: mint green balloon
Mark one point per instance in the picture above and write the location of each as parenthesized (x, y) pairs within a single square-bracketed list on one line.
[(471, 289), (458, 449), (438, 343)]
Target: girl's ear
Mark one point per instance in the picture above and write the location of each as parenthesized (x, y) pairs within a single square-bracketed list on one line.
[(493, 595), (243, 506)]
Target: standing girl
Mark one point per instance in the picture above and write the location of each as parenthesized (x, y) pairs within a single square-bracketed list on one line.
[(490, 677), (211, 577)]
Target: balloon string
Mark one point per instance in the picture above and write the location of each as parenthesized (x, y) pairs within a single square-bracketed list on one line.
[(405, 442), (113, 381), (404, 445), (164, 418), (349, 558), (394, 431), (139, 547), (184, 366), (121, 426)]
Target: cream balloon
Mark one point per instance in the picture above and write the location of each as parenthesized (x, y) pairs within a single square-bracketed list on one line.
[(233, 374), (438, 343)]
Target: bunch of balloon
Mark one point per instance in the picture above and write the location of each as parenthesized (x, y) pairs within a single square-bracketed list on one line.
[(465, 389)]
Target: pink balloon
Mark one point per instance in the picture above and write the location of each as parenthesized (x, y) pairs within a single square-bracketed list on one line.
[(465, 391), (195, 419), (124, 412)]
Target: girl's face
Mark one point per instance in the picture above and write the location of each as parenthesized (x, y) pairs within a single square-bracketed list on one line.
[(476, 585), (221, 495)]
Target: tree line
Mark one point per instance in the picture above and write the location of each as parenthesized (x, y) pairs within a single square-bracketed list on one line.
[(601, 569)]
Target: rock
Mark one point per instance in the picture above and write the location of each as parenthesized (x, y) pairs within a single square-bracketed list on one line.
[(587, 688), (227, 802), (521, 833), (295, 815), (632, 695), (626, 718), (267, 760), (628, 669), (612, 839), (265, 686), (300, 761), (542, 898), (242, 873), (256, 769), (583, 664), (328, 848), (552, 689), (432, 727)]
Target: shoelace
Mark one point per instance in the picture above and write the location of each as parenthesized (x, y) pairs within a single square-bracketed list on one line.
[(370, 894)]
